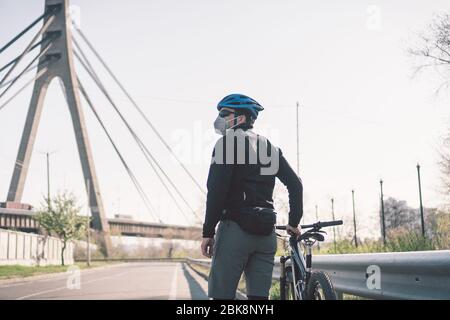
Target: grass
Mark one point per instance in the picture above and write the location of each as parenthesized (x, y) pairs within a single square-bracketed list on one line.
[(274, 293), (400, 242), (352, 297), (17, 271)]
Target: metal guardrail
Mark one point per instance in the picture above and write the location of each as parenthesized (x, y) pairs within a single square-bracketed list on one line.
[(134, 260), (201, 262), (402, 275), (399, 275)]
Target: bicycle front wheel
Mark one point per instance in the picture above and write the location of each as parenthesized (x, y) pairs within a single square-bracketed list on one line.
[(320, 287)]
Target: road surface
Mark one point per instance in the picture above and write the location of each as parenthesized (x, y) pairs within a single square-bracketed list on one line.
[(143, 280)]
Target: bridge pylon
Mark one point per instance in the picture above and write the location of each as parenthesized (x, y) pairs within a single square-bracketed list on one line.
[(57, 62)]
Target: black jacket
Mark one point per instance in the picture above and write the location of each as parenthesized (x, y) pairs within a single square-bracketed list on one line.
[(235, 182)]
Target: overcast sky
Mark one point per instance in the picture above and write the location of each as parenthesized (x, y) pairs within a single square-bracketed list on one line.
[(362, 116)]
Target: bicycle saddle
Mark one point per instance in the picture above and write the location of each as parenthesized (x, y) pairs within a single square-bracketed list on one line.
[(312, 235)]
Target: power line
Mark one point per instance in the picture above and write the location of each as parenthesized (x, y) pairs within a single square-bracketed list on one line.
[(89, 44)]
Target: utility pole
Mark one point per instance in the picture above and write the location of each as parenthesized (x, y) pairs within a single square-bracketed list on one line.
[(422, 221), (298, 139), (48, 178), (47, 155), (317, 220), (354, 218), (383, 226), (334, 228), (88, 222)]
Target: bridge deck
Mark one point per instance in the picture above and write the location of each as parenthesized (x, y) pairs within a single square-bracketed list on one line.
[(23, 220)]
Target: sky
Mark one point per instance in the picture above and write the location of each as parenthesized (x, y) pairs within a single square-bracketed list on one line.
[(362, 115)]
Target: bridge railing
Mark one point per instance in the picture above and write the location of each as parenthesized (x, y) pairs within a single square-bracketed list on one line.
[(399, 275)]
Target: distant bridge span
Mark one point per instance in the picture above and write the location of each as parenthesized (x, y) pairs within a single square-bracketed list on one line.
[(22, 220)]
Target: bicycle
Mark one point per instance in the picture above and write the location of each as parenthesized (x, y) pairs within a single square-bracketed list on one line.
[(303, 283)]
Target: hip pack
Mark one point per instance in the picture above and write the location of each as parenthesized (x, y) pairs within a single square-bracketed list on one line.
[(256, 220)]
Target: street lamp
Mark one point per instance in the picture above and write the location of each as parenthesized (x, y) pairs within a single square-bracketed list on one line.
[(420, 198), (383, 226)]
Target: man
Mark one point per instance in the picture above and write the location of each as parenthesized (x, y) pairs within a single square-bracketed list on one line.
[(240, 187)]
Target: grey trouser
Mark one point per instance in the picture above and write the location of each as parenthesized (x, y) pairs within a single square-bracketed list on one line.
[(236, 251)]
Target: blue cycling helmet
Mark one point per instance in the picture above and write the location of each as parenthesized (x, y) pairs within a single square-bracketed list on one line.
[(240, 101)]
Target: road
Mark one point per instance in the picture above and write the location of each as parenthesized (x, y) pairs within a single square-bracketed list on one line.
[(139, 281)]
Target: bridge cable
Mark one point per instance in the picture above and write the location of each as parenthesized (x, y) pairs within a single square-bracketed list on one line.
[(140, 143), (31, 49), (26, 69), (186, 170), (27, 49), (18, 36), (79, 54), (133, 178), (38, 75)]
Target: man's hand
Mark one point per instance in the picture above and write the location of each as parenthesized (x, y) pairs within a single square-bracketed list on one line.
[(207, 247), (293, 231)]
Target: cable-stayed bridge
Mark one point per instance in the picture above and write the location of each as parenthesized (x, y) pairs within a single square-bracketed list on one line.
[(55, 51)]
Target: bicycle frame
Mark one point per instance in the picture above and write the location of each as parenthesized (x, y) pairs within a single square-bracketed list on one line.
[(301, 260), (301, 267)]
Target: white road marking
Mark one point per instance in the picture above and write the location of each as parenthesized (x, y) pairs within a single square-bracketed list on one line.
[(65, 287), (174, 286), (61, 276)]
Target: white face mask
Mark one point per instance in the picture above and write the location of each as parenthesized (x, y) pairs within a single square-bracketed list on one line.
[(220, 125)]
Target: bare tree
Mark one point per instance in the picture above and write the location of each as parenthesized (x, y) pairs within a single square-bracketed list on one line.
[(433, 49), (399, 215), (433, 52), (444, 165)]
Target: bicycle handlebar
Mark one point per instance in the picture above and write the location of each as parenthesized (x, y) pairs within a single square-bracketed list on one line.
[(317, 225)]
